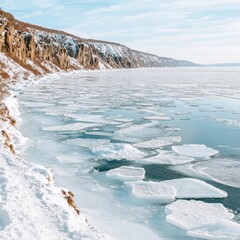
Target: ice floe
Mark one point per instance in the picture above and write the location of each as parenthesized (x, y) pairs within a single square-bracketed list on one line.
[(118, 151), (71, 127), (220, 230), (183, 113), (158, 142), (152, 192), (127, 173), (226, 121), (134, 129), (195, 150), (190, 214), (37, 104), (223, 170), (87, 142), (91, 118), (168, 158), (194, 188), (100, 133), (159, 118)]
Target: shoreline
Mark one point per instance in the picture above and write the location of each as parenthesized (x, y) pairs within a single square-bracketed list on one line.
[(52, 198), (35, 197)]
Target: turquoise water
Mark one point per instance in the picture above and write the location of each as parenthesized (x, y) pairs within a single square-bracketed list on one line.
[(201, 106)]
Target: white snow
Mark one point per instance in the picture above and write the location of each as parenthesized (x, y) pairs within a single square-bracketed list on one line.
[(195, 150), (151, 192), (127, 173), (31, 207), (60, 220), (194, 188), (191, 214), (220, 230), (14, 70), (12, 105)]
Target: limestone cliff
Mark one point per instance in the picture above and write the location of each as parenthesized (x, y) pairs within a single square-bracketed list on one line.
[(39, 50)]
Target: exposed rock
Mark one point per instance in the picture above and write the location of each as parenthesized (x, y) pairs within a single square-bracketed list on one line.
[(40, 50)]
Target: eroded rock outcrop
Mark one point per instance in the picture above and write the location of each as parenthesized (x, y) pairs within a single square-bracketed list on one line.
[(39, 50), (22, 42)]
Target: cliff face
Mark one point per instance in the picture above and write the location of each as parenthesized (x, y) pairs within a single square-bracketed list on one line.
[(38, 51)]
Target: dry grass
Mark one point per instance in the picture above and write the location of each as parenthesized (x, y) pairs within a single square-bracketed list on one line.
[(70, 199), (4, 75), (24, 65), (6, 136)]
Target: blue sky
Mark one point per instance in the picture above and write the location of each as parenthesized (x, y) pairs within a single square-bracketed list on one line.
[(203, 31)]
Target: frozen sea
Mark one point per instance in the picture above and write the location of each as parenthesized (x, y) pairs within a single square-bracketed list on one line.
[(171, 122)]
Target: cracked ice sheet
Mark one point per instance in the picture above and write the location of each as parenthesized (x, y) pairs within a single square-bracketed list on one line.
[(226, 121), (194, 188), (37, 104), (91, 118), (220, 230), (137, 133), (226, 172), (87, 142), (117, 151), (71, 127), (191, 214), (158, 142), (168, 158), (158, 118)]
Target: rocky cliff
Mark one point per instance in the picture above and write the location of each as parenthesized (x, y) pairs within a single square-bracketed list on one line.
[(26, 49)]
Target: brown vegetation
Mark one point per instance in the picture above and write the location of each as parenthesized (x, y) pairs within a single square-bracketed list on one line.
[(4, 74), (6, 136), (69, 197)]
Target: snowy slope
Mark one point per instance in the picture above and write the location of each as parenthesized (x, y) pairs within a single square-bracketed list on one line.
[(31, 206)]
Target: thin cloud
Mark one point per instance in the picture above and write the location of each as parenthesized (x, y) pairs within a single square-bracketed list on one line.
[(165, 27)]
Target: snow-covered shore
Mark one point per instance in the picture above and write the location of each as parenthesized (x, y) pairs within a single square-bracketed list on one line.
[(31, 206), (123, 210)]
